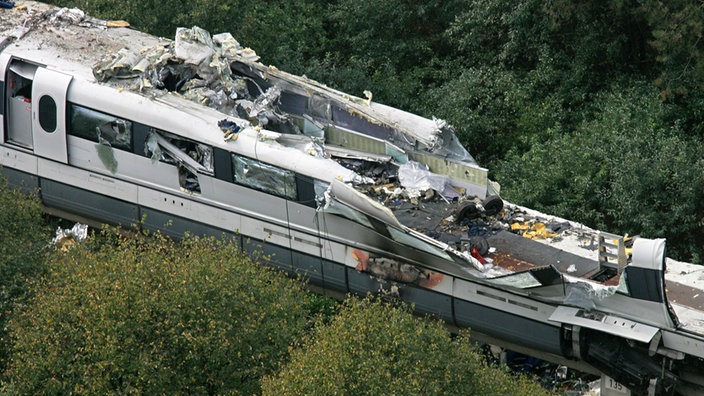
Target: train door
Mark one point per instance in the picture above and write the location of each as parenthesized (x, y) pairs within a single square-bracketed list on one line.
[(49, 114), (18, 103)]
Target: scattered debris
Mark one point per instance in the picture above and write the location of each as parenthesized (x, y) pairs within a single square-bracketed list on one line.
[(391, 270), (230, 129), (117, 23), (65, 239), (73, 15)]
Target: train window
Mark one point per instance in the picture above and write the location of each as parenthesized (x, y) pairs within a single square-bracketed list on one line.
[(2, 97), (320, 187), (307, 188), (100, 127), (47, 113), (190, 157), (643, 283), (264, 177)]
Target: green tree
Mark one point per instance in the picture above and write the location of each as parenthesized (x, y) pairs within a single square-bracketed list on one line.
[(678, 38), (393, 49), (24, 238), (373, 348), (493, 111), (624, 169), (284, 34), (151, 316)]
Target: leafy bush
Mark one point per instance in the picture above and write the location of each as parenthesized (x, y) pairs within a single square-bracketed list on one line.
[(147, 315), (24, 238), (373, 348), (622, 170)]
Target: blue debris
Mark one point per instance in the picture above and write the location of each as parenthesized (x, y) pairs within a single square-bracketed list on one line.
[(7, 4), (230, 128)]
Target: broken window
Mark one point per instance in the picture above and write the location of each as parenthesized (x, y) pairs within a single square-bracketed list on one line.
[(320, 187), (191, 157), (100, 127), (264, 177)]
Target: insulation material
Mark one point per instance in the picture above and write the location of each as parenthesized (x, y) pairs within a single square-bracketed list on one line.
[(416, 178)]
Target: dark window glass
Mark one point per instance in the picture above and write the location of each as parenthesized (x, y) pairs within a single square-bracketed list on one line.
[(223, 164), (100, 127), (264, 177), (47, 113), (2, 97)]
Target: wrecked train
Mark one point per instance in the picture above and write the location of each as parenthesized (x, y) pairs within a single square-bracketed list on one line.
[(194, 134)]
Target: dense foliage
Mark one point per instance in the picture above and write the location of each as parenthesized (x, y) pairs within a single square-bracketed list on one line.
[(24, 239), (373, 348), (517, 79), (151, 316)]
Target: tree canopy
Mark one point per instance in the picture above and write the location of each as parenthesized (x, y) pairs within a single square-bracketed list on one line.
[(24, 241), (373, 348), (152, 316)]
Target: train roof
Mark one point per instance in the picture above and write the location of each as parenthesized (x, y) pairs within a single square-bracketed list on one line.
[(73, 43)]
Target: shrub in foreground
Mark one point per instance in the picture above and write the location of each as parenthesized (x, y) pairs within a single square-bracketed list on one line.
[(373, 348), (24, 238), (151, 316)]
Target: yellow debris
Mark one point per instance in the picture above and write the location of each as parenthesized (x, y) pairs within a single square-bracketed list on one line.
[(117, 23), (520, 226), (535, 231)]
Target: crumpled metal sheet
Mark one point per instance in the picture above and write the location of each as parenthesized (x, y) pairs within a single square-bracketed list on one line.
[(66, 238), (193, 46), (264, 107), (195, 65), (73, 15)]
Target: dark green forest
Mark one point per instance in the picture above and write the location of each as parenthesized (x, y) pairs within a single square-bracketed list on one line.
[(588, 110)]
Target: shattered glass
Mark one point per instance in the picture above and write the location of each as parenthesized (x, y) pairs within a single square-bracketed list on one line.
[(523, 280), (185, 152), (264, 177), (585, 295), (151, 147), (100, 127), (106, 155)]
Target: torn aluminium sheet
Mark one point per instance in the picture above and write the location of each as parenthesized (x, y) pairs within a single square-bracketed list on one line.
[(216, 72)]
